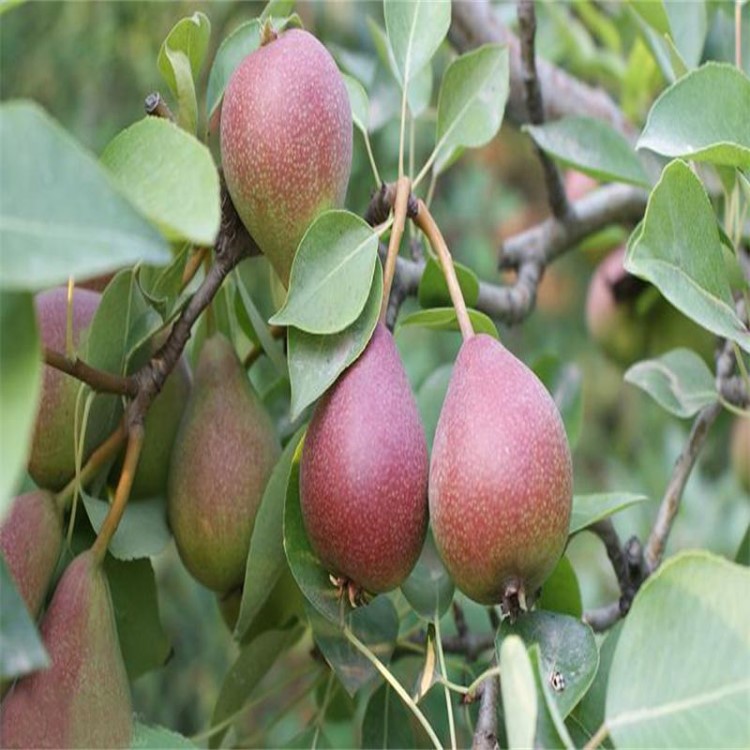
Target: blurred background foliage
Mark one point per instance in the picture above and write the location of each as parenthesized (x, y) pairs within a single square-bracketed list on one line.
[(91, 65)]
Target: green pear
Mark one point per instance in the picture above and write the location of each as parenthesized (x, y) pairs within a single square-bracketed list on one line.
[(83, 698), (501, 479), (31, 536), (363, 472), (222, 458), (286, 141)]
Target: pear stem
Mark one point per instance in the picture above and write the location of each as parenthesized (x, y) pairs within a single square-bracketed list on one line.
[(400, 205), (425, 221), (97, 459), (394, 683), (122, 493)]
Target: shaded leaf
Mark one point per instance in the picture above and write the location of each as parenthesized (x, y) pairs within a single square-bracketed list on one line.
[(550, 727), (588, 509), (433, 291), (444, 319), (430, 397), (359, 103), (429, 588), (561, 592), (386, 722)]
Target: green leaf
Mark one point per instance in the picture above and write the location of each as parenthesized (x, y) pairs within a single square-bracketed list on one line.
[(568, 652), (143, 530), (77, 224), (170, 176), (564, 381), (678, 249), (161, 286), (653, 13), (277, 8), (471, 102), (253, 663), (433, 291), (331, 274), (588, 509), (518, 690), (265, 559), (415, 28), (550, 727), (312, 737), (561, 592), (430, 398), (308, 571), (444, 319), (679, 381), (681, 671), (717, 130), (359, 103), (180, 59), (21, 648), (591, 146), (144, 643), (20, 387), (376, 625), (429, 588), (316, 361), (743, 551), (154, 738), (387, 722)]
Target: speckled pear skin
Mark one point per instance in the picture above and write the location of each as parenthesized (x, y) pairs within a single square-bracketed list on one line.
[(52, 458), (363, 473), (31, 536), (501, 479), (223, 455), (83, 698), (286, 141)]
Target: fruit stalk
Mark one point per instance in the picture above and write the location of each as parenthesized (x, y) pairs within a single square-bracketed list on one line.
[(427, 224), (400, 204)]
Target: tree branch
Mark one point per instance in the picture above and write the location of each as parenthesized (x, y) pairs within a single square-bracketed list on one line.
[(99, 380), (485, 734)]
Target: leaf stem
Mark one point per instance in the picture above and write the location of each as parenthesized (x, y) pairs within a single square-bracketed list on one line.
[(394, 683), (446, 690), (600, 735), (403, 132), (122, 493), (371, 157), (427, 224), (397, 231)]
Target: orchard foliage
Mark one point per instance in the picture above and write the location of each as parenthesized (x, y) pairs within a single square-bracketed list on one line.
[(171, 238)]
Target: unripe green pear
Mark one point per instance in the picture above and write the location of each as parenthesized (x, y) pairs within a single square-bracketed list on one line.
[(363, 473), (501, 479), (222, 458), (83, 698), (31, 536), (740, 451), (52, 459), (286, 141)]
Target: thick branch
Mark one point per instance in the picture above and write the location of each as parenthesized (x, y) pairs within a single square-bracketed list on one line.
[(485, 734), (99, 380), (475, 23), (527, 26)]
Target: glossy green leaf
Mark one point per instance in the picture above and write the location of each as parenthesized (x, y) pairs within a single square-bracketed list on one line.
[(716, 130), (21, 648), (316, 361), (252, 664), (142, 532), (180, 60), (550, 727), (265, 559), (20, 387), (471, 102), (415, 28), (444, 319), (433, 291), (684, 259), (312, 578), (679, 381), (144, 643), (588, 509), (564, 381), (147, 737), (429, 588), (591, 146), (518, 690), (569, 655), (387, 722), (359, 103), (331, 274), (561, 592), (376, 625), (170, 176), (681, 671), (61, 215)]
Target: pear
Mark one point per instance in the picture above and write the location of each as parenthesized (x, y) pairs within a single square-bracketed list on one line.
[(83, 698), (31, 536), (286, 141), (363, 472), (501, 479), (223, 455), (52, 459)]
